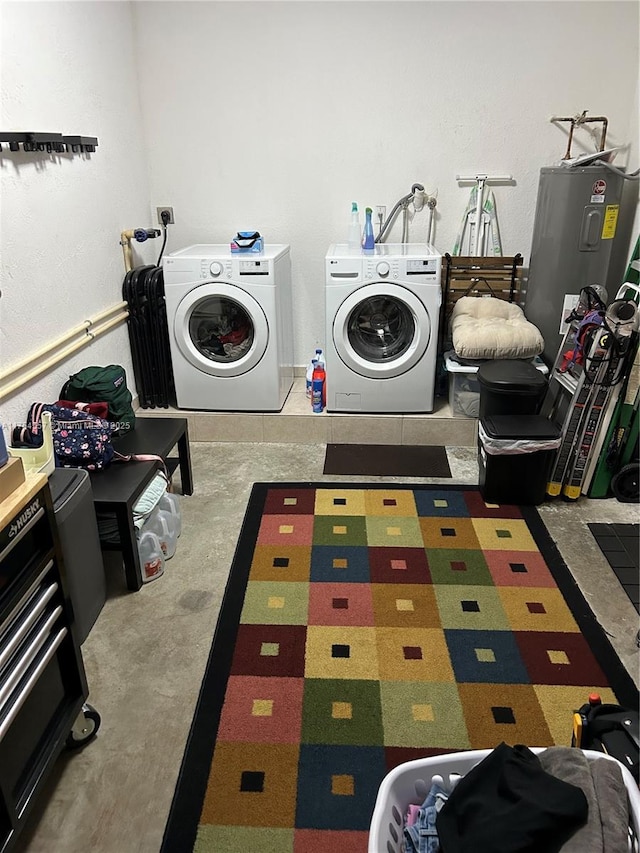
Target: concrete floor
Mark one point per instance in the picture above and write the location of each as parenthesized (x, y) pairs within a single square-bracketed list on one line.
[(146, 654)]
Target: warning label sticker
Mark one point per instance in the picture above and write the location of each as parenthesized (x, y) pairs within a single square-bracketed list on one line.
[(610, 221)]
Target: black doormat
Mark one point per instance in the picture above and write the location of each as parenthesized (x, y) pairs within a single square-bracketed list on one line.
[(387, 460), (620, 543)]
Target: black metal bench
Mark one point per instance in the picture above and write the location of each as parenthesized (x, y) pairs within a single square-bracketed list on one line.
[(118, 488)]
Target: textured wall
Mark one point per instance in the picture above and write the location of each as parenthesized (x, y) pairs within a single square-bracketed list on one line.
[(277, 116), (68, 68)]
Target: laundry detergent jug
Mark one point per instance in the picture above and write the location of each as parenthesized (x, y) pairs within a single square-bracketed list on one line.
[(162, 524), (151, 556), (170, 503)]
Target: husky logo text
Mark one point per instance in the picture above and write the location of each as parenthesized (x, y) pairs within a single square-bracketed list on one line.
[(26, 515)]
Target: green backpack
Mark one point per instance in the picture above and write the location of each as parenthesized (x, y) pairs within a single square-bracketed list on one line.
[(103, 384)]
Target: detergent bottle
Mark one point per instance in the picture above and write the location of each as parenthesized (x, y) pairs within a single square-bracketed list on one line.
[(354, 238), (309, 378), (170, 503), (368, 240), (161, 523), (151, 556), (318, 387)]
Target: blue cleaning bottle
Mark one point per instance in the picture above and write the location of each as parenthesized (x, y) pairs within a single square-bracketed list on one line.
[(368, 240)]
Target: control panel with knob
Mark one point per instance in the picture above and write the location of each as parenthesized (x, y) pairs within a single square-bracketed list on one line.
[(216, 268), (383, 269)]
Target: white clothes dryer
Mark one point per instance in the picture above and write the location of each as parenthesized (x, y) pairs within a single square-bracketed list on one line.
[(230, 327), (382, 318)]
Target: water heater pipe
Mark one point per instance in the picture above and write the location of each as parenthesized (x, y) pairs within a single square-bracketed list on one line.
[(582, 119)]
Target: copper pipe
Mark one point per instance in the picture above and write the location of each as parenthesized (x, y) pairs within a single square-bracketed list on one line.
[(582, 119)]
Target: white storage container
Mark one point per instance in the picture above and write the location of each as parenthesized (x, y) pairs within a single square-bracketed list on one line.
[(464, 388), (410, 783), (170, 503), (162, 524), (151, 556)]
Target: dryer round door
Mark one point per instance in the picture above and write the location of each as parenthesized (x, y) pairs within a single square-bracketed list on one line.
[(381, 330), (221, 329)]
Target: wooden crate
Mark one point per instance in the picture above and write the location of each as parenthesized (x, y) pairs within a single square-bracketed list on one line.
[(483, 276)]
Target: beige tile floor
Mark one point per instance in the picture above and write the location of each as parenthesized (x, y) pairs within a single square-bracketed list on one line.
[(297, 424), (146, 654)]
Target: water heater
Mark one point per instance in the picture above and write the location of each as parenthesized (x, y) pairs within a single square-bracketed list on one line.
[(575, 223)]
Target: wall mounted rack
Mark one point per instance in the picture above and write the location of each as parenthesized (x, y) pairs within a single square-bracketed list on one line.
[(52, 143)]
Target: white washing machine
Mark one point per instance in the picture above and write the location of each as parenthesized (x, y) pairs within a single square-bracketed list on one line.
[(382, 317), (230, 327)]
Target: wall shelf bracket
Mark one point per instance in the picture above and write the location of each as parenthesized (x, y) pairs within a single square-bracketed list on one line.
[(51, 143)]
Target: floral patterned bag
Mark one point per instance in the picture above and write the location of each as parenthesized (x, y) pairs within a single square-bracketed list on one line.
[(80, 440)]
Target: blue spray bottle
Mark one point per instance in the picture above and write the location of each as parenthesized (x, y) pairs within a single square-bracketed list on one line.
[(368, 240)]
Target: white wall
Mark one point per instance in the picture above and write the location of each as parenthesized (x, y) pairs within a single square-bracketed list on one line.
[(277, 115), (67, 68)]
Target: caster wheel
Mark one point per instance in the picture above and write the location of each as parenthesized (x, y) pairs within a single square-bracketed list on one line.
[(85, 727), (625, 485)]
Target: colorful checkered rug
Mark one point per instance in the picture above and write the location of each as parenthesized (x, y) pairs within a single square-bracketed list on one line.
[(364, 626)]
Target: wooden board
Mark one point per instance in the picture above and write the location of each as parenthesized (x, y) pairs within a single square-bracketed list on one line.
[(9, 507)]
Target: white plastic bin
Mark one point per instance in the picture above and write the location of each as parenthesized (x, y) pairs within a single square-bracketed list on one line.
[(410, 783), (464, 387)]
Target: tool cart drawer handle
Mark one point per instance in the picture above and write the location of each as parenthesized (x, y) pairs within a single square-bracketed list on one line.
[(18, 635), (18, 607), (22, 665), (28, 687)]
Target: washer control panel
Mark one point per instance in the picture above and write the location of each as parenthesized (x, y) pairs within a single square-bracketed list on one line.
[(215, 269), (423, 266), (394, 268), (254, 267)]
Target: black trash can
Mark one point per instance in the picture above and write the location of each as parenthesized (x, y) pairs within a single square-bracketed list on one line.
[(510, 387), (78, 530), (516, 475)]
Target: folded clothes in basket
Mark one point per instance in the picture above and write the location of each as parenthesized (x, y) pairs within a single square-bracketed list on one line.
[(603, 786), (515, 801)]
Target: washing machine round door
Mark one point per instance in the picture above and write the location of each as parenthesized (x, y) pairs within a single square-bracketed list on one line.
[(381, 330), (221, 329)]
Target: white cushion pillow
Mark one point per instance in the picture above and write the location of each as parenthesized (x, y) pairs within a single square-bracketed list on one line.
[(492, 328)]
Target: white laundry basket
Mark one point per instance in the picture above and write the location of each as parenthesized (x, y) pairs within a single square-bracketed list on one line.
[(410, 783)]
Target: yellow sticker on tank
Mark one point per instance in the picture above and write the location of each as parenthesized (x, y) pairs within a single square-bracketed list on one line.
[(610, 221)]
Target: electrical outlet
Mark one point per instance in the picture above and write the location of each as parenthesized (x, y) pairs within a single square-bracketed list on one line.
[(169, 210), (381, 211)]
